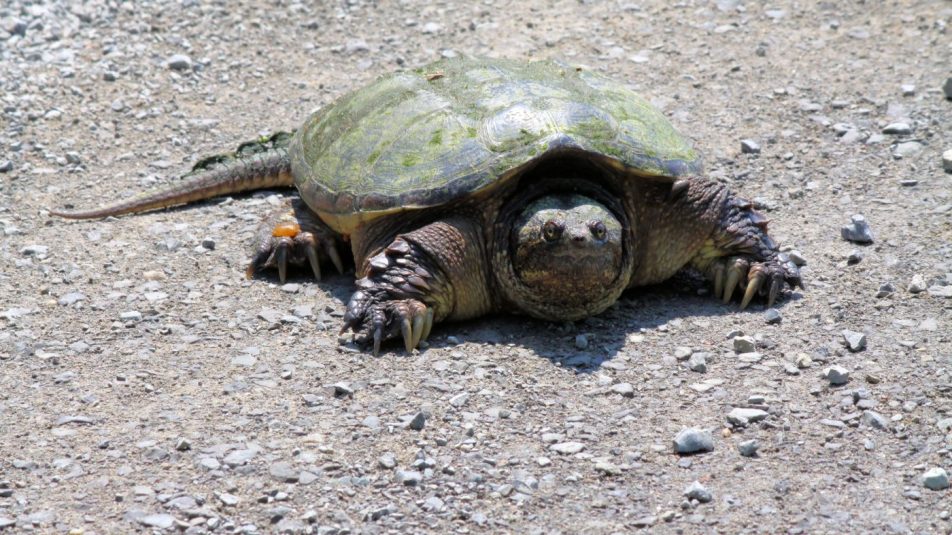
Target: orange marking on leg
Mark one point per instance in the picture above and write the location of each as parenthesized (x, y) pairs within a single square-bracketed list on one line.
[(286, 230)]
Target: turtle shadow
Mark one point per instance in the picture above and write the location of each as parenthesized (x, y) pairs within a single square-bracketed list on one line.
[(583, 346), (586, 345)]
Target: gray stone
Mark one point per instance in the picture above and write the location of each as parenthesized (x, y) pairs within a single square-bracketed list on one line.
[(179, 62), (907, 149), (161, 521), (885, 290), (741, 417), (875, 420), (607, 468), (748, 448), (857, 231), (682, 352), (698, 363), (387, 460), (855, 341), (772, 316), (567, 448), (6, 522), (855, 257), (935, 479), (908, 90), (947, 161), (940, 291), (409, 478), (945, 425), (749, 146), (6, 166), (342, 390), (39, 251), (418, 421), (581, 342), (240, 457), (744, 344), (697, 491), (624, 389), (283, 471), (916, 285), (459, 400), (947, 88), (693, 440), (836, 375), (897, 129)]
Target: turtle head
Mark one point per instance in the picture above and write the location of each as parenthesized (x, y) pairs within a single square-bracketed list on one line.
[(567, 253)]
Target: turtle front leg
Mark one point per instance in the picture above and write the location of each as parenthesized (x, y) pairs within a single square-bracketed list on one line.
[(740, 255), (293, 235), (431, 274)]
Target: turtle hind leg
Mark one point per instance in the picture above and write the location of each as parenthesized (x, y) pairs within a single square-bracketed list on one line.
[(742, 259), (293, 235)]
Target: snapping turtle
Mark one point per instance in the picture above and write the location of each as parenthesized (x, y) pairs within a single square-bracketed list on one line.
[(472, 186)]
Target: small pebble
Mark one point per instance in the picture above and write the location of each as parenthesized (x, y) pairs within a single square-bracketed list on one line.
[(907, 149), (836, 375), (855, 341), (693, 440), (698, 362), (803, 361), (6, 166), (908, 90), (947, 88), (857, 231), (409, 478), (875, 420), (946, 161), (418, 422), (855, 257), (625, 389), (748, 448), (744, 344), (935, 479), (897, 129), (567, 448), (387, 460), (885, 290), (682, 353), (179, 62), (581, 342), (772, 316), (697, 491), (740, 417), (916, 285), (749, 146)]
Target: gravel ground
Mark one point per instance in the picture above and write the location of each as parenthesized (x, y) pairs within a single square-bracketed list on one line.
[(147, 386)]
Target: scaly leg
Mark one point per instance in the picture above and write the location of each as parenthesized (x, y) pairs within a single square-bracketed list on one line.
[(431, 274), (740, 255), (294, 235)]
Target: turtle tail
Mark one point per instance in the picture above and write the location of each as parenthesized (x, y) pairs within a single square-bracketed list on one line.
[(259, 164)]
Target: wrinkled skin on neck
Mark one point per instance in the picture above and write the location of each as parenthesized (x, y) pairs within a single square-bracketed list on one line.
[(567, 254)]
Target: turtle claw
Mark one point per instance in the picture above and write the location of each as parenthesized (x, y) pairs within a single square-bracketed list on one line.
[(331, 250), (734, 272), (294, 237), (755, 277), (376, 319), (754, 284)]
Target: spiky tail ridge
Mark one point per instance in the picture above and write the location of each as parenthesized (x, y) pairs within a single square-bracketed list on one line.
[(259, 164)]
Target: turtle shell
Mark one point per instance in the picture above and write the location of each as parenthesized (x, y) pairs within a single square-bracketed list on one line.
[(439, 133)]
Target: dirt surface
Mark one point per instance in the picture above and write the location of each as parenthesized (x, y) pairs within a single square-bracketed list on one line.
[(145, 385)]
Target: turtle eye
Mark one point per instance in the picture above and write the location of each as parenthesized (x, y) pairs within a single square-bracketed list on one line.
[(598, 229), (551, 230)]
